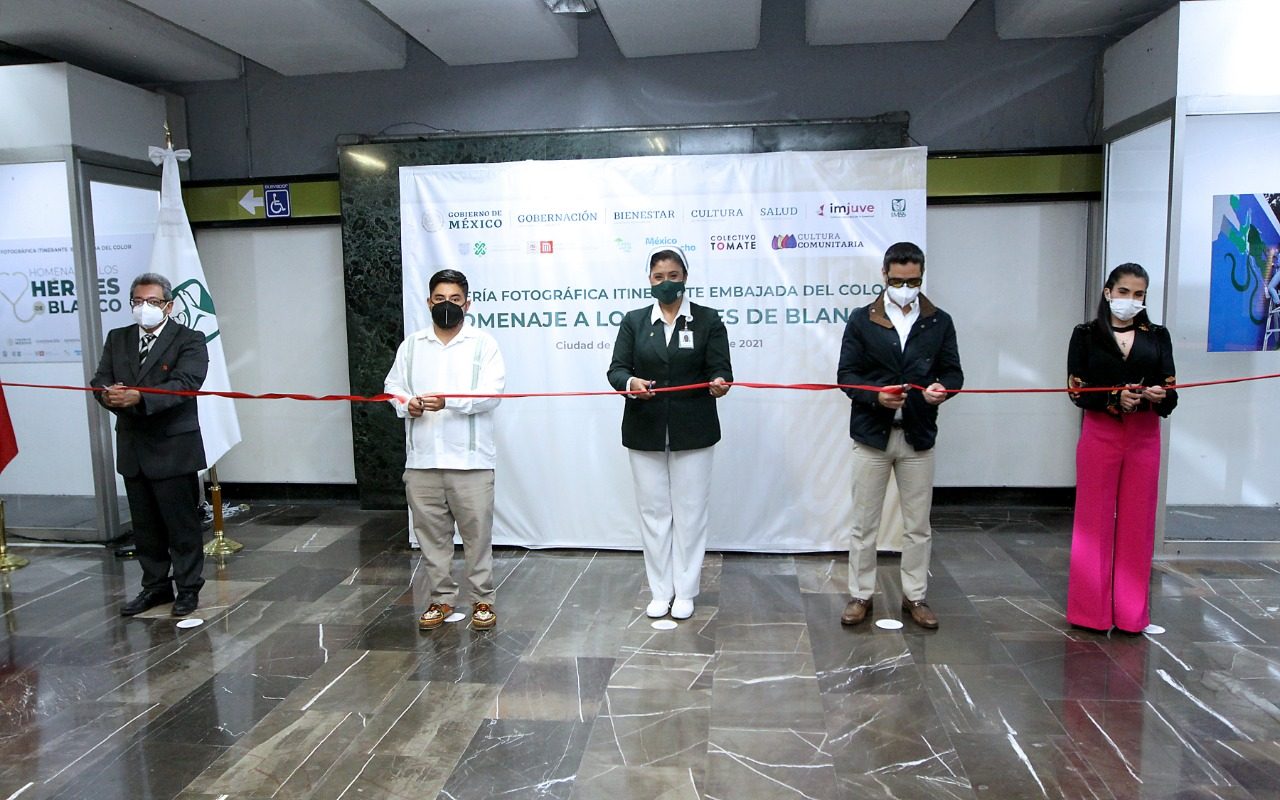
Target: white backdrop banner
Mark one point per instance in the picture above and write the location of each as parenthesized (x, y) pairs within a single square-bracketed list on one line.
[(39, 322), (785, 245)]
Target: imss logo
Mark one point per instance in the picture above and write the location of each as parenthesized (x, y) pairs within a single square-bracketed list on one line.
[(898, 207), (193, 307)]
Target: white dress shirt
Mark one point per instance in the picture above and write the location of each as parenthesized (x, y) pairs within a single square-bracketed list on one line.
[(670, 327), (902, 322), (460, 435), (156, 332)]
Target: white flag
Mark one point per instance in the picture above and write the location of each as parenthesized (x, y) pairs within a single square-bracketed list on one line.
[(175, 257)]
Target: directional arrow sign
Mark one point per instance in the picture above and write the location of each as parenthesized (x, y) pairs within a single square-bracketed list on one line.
[(251, 203)]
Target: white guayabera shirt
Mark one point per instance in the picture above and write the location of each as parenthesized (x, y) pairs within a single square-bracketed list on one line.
[(460, 435)]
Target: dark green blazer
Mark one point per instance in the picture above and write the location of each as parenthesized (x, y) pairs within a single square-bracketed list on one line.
[(687, 419)]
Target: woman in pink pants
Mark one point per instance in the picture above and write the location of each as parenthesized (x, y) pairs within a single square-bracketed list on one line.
[(1118, 457)]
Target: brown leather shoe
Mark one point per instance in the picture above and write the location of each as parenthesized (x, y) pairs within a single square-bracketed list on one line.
[(857, 611), (434, 616), (483, 616), (920, 613)]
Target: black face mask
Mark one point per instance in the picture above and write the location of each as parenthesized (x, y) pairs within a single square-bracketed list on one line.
[(447, 314)]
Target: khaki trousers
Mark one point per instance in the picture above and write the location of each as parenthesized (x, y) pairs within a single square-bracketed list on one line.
[(439, 499), (914, 471)]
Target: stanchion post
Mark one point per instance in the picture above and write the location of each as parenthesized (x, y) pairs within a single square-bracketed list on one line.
[(219, 545), (8, 562)]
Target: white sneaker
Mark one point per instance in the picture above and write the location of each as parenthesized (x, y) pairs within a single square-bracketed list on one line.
[(682, 609), (656, 609)]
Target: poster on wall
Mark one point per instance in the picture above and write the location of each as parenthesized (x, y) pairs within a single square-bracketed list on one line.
[(1244, 288), (784, 245), (39, 306)]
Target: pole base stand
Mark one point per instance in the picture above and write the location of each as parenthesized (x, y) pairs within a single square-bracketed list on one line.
[(222, 546), (10, 562)]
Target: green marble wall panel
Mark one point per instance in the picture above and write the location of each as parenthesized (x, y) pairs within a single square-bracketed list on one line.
[(368, 175)]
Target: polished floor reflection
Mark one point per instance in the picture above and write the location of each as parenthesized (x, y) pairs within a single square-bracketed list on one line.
[(309, 678)]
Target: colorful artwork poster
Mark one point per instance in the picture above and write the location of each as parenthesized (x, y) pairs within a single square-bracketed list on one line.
[(1244, 283)]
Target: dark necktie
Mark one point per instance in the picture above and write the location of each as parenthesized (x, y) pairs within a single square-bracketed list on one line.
[(144, 346)]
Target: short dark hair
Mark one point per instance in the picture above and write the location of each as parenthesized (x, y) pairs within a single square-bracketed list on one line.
[(904, 253), (669, 255), (153, 279), (449, 276), (1104, 308)]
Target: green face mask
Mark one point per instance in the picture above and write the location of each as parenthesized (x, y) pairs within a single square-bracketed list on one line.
[(667, 292)]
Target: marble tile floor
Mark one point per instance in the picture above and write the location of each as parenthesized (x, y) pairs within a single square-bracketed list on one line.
[(309, 678)]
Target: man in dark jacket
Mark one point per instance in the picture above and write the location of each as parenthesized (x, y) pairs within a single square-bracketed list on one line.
[(159, 450), (898, 342)]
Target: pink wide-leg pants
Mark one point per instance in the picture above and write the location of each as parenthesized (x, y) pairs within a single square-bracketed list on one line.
[(1112, 540)]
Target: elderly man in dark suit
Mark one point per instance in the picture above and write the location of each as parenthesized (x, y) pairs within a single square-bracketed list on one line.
[(159, 450)]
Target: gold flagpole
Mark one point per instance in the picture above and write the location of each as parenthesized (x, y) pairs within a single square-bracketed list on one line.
[(220, 545), (8, 563)]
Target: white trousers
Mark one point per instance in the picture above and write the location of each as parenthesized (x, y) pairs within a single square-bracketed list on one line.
[(672, 488), (914, 472)]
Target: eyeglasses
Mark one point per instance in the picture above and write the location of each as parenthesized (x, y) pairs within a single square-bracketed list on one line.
[(898, 283), (154, 302)]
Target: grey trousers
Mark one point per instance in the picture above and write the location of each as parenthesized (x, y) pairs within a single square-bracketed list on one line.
[(439, 500)]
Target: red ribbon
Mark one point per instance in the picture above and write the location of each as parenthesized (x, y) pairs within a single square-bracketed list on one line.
[(808, 387)]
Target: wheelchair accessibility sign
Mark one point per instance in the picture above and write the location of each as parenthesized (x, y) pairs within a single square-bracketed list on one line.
[(276, 196)]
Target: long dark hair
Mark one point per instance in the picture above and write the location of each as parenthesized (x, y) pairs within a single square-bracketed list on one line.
[(1103, 322)]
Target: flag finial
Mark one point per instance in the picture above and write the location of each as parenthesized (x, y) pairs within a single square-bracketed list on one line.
[(168, 136)]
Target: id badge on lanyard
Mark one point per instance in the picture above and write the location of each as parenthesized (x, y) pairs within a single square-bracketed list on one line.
[(685, 341)]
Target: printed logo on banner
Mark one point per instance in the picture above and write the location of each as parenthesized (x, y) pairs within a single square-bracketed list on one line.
[(557, 217), (669, 241), (847, 209), (733, 241), (643, 214), (475, 219), (715, 213), (898, 207), (813, 241), (544, 247), (479, 248), (433, 220), (464, 248), (775, 212), (623, 245)]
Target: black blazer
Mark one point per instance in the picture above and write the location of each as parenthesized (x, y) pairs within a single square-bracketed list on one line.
[(1094, 359), (688, 418), (871, 355), (159, 437)]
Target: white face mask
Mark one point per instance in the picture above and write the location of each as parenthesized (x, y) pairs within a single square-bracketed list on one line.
[(148, 316), (1125, 309), (902, 296)]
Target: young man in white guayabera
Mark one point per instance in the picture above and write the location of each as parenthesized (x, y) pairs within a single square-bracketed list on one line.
[(899, 340), (449, 450)]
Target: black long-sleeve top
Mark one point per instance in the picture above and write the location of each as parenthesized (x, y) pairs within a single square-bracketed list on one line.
[(1094, 359)]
